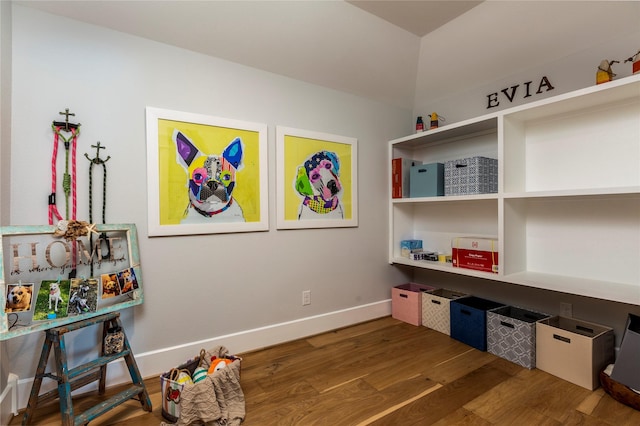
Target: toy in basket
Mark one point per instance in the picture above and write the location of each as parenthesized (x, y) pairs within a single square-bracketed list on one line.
[(173, 382)]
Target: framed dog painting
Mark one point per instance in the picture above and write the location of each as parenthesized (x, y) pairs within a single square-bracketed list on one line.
[(205, 174), (317, 179)]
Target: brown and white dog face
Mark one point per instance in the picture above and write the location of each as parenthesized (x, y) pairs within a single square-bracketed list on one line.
[(110, 286), (18, 298)]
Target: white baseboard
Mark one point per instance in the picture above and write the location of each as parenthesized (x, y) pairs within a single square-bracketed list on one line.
[(156, 362)]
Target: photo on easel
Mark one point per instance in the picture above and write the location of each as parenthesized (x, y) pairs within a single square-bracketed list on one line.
[(110, 286), (52, 300), (127, 280), (19, 297), (84, 296)]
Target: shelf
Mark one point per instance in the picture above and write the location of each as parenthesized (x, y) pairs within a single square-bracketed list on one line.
[(444, 267), (487, 124), (567, 211), (599, 96), (607, 290), (445, 199), (628, 191)]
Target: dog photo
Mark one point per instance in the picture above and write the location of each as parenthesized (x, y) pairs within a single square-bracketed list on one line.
[(110, 285), (318, 183), (84, 296), (127, 280), (18, 297), (210, 179), (53, 300)]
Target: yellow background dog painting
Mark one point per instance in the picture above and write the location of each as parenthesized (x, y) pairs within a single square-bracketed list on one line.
[(296, 151), (210, 140)]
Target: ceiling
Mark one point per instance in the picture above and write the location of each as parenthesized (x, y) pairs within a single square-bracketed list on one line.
[(417, 17), (367, 48)]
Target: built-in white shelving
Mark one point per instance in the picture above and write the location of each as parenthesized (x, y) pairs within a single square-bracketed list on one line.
[(567, 211)]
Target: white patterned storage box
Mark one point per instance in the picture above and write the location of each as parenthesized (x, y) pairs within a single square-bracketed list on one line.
[(511, 334), (436, 312), (474, 175)]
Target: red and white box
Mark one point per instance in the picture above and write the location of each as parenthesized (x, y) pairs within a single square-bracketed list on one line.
[(477, 253)]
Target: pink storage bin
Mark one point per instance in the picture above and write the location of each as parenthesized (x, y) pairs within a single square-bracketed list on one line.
[(406, 302)]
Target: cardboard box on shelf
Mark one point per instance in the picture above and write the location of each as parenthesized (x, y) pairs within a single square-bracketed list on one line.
[(426, 180), (400, 176), (478, 253), (474, 175)]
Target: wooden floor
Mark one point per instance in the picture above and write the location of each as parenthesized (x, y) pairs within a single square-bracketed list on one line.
[(386, 372)]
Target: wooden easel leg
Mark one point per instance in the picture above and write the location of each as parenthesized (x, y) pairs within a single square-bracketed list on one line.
[(37, 382), (136, 378), (64, 387)]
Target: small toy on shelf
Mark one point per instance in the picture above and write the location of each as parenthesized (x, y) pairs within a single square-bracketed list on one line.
[(605, 73), (635, 62)]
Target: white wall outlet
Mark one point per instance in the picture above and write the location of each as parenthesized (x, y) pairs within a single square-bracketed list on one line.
[(306, 297), (566, 310)]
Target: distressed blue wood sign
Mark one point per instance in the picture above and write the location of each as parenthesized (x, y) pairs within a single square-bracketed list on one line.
[(49, 280)]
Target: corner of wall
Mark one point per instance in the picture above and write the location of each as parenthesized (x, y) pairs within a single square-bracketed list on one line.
[(5, 110)]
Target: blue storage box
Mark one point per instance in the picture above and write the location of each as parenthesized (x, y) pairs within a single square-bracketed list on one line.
[(469, 320), (426, 180)]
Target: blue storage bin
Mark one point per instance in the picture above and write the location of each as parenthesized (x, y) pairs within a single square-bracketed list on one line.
[(469, 320), (426, 180)]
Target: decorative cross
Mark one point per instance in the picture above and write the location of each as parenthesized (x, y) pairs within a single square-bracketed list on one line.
[(66, 114)]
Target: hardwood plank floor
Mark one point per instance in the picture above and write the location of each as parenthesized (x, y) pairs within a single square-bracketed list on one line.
[(386, 372)]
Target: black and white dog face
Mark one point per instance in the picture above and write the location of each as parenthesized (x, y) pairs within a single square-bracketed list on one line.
[(211, 179), (318, 181)]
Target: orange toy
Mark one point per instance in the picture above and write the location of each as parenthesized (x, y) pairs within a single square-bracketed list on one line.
[(218, 364)]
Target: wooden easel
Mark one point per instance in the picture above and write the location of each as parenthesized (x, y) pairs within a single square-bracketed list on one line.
[(96, 370)]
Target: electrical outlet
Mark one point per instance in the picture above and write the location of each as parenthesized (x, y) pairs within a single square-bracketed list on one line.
[(566, 310), (306, 297)]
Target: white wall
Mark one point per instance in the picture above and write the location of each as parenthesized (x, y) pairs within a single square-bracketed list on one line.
[(500, 44), (197, 287), (5, 157), (497, 45)]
